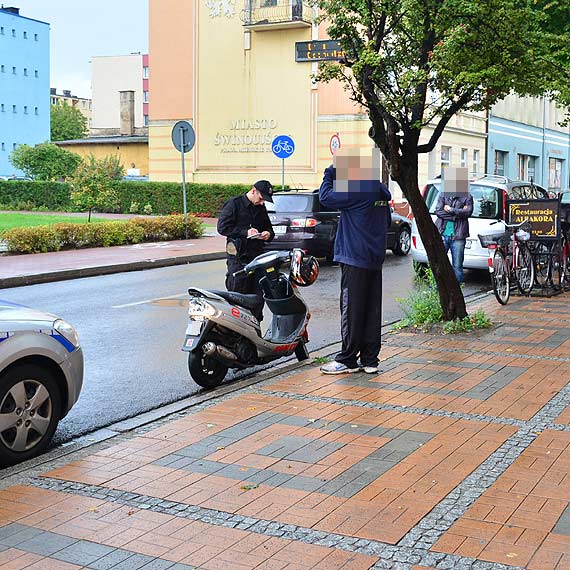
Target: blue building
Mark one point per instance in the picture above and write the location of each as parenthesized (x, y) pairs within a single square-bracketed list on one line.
[(24, 84), (525, 140)]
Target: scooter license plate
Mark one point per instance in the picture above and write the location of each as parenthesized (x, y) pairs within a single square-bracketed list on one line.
[(194, 328)]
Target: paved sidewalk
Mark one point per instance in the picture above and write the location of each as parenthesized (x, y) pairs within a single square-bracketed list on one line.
[(17, 270), (455, 456)]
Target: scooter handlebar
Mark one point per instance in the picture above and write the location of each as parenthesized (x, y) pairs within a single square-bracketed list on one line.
[(240, 272)]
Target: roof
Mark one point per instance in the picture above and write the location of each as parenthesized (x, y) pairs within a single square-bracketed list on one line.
[(117, 139), (23, 17)]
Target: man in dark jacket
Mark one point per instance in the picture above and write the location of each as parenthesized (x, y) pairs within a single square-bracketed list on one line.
[(245, 223), (353, 187), (454, 207)]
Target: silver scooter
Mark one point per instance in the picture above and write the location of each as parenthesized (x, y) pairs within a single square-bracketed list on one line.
[(223, 332)]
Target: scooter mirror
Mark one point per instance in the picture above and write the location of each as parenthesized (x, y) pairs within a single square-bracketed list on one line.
[(231, 248)]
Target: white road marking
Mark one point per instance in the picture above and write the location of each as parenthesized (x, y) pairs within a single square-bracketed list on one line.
[(149, 301)]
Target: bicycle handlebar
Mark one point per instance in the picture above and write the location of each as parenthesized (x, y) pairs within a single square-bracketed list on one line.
[(510, 225)]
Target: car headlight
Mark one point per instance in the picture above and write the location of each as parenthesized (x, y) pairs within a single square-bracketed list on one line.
[(199, 307), (67, 331)]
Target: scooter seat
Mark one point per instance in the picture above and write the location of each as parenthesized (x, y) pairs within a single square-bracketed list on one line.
[(250, 302)]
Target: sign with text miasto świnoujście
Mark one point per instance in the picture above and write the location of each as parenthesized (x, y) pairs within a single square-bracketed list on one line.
[(543, 216)]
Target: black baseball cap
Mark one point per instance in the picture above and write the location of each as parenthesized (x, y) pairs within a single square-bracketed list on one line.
[(265, 189)]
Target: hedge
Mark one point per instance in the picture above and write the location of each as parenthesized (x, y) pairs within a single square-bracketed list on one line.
[(163, 197), (41, 239)]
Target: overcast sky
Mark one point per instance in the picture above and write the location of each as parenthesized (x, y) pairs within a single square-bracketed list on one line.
[(80, 30)]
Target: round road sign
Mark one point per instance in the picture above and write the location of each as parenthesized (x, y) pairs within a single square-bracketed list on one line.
[(334, 144), (183, 136)]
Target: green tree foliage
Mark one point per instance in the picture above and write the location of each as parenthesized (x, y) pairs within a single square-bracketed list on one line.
[(414, 63), (44, 161), (67, 123), (93, 184)]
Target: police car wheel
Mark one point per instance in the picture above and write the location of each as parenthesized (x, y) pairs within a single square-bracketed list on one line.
[(205, 370), (30, 409)]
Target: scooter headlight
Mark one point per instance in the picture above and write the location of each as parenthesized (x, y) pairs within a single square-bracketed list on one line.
[(199, 307)]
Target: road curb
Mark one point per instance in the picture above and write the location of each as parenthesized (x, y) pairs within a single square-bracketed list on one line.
[(35, 279)]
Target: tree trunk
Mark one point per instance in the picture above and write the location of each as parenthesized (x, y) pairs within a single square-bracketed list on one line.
[(89, 217), (450, 295)]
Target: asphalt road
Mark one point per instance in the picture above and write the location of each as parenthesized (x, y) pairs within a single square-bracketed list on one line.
[(131, 327)]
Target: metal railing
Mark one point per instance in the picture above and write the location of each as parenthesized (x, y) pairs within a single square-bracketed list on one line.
[(266, 12)]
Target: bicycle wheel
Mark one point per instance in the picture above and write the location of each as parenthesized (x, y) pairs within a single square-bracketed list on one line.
[(500, 278), (541, 264), (524, 271), (565, 265)]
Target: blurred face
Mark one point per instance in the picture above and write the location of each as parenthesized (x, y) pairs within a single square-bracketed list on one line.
[(455, 181), (255, 197), (353, 165)]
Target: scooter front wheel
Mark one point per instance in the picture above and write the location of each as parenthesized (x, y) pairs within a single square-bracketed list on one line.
[(205, 370)]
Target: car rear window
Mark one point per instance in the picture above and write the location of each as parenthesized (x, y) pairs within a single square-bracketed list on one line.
[(291, 203), (485, 200)]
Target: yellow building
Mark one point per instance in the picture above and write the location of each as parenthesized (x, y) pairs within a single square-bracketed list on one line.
[(229, 68), (66, 98), (131, 150)]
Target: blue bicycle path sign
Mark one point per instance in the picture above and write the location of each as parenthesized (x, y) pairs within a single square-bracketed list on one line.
[(283, 146)]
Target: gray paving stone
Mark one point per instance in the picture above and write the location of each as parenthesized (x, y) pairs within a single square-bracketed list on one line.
[(23, 534), (83, 552), (134, 562), (110, 561), (563, 524), (46, 543)]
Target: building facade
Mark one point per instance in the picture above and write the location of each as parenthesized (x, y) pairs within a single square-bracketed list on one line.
[(109, 76), (527, 142), (24, 84), (66, 98), (232, 73)]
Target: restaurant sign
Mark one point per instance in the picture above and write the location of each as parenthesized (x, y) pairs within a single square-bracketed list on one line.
[(543, 216), (319, 50)]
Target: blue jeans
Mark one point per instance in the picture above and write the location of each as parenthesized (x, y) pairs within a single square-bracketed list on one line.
[(457, 247)]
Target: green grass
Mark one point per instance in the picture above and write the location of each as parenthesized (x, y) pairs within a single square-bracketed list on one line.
[(17, 220)]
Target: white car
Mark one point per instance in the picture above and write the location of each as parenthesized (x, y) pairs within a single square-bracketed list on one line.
[(41, 375), (490, 194)]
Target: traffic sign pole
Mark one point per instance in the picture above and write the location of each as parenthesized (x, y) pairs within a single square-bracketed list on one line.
[(282, 174), (184, 183), (283, 147)]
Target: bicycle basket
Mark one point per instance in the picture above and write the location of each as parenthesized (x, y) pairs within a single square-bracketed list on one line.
[(494, 239)]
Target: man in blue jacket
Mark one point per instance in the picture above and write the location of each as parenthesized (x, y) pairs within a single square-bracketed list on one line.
[(352, 186)]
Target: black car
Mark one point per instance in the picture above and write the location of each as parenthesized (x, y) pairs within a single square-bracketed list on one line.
[(300, 220)]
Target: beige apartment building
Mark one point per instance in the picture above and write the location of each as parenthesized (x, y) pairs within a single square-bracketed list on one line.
[(109, 76), (66, 98), (230, 70)]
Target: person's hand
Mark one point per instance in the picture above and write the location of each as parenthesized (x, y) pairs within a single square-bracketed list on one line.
[(265, 236), (447, 208), (251, 232)]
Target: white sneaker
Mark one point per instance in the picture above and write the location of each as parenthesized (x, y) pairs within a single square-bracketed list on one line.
[(371, 369), (335, 367)]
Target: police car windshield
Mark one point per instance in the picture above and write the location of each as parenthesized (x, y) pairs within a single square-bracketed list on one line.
[(485, 199)]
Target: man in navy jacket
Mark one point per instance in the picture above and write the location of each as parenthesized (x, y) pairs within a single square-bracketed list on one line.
[(353, 188)]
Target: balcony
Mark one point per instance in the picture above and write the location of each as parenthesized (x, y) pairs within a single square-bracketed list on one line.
[(262, 15)]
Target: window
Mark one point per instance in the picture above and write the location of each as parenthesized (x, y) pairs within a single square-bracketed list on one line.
[(500, 162), (53, 101), (485, 199), (554, 174), (36, 111), (527, 167), (145, 72), (2, 109), (146, 120), (145, 96), (36, 73), (13, 71), (25, 109), (13, 33), (3, 146), (83, 104), (14, 110), (464, 158), (36, 37), (25, 35), (14, 145), (1, 30), (26, 71), (476, 154), (445, 157), (2, 69)]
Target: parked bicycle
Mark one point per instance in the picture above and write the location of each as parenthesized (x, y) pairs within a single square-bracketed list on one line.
[(510, 260)]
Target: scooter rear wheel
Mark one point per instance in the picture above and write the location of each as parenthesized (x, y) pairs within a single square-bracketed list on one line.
[(206, 371), (301, 352)]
